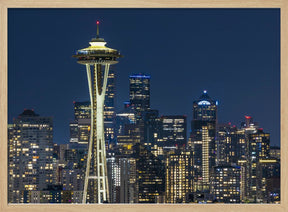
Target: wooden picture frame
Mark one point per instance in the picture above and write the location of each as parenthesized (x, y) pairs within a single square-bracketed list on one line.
[(5, 4)]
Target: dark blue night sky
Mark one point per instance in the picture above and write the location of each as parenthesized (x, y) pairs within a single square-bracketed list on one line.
[(232, 53)]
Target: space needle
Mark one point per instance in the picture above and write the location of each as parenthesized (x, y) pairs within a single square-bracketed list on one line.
[(97, 58)]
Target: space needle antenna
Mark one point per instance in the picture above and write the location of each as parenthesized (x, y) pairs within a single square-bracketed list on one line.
[(97, 22)]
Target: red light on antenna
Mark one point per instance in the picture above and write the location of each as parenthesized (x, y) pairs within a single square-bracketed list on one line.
[(97, 22), (248, 117)]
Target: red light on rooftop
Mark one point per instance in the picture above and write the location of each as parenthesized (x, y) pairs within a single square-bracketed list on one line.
[(97, 22), (229, 123), (248, 117), (74, 102), (261, 129)]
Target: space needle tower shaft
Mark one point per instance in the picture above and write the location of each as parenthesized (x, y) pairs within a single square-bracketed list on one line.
[(97, 58)]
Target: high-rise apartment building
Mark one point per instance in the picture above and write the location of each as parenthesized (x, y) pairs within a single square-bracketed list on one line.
[(30, 155), (203, 132)]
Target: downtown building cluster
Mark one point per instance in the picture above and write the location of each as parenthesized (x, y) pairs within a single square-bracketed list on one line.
[(150, 158)]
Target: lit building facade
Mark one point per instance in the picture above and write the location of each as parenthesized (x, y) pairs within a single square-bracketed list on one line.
[(203, 133), (122, 179), (258, 149), (230, 144), (139, 93), (123, 118), (275, 152), (30, 155), (150, 175), (179, 173), (226, 184), (173, 131)]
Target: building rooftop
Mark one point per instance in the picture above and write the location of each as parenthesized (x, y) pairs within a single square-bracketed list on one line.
[(28, 112)]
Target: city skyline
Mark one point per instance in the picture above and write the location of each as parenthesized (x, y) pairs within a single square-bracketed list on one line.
[(161, 94)]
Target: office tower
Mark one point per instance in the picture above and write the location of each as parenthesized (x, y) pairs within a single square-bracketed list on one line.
[(258, 149), (269, 173), (140, 93), (230, 144), (109, 109), (173, 131), (54, 194), (73, 173), (80, 132), (150, 127), (179, 173), (122, 178), (72, 178), (59, 161), (275, 152), (203, 132), (123, 118), (127, 189), (113, 176), (130, 135), (30, 155), (82, 110), (226, 183), (150, 175), (98, 56), (80, 127)]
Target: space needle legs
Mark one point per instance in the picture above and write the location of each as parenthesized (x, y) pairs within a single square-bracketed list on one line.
[(96, 158)]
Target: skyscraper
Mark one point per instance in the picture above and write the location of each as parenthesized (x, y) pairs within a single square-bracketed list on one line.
[(109, 109), (30, 155), (150, 175), (231, 145), (139, 93), (122, 178), (203, 132), (173, 131), (226, 183), (179, 173), (258, 150)]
